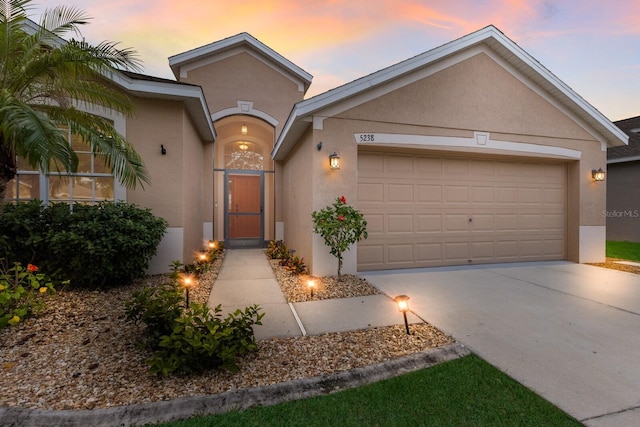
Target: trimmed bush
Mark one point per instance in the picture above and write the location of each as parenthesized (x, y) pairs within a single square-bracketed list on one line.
[(193, 339), (107, 244)]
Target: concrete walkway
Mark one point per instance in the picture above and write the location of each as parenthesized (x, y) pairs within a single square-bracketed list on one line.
[(246, 278), (570, 332)]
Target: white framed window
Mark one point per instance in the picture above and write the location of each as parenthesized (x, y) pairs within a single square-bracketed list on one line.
[(92, 183)]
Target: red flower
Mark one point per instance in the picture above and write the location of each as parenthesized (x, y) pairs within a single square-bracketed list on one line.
[(340, 217), (32, 268), (343, 200)]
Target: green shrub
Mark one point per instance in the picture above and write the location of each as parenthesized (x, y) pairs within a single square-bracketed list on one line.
[(294, 264), (193, 339), (158, 308), (94, 246), (21, 291), (340, 225), (277, 250), (201, 341)]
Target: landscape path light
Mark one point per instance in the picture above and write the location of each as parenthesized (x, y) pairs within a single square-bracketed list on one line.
[(403, 306), (187, 282), (312, 285)]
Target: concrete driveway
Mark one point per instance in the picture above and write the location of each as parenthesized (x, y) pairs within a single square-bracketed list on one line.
[(571, 332)]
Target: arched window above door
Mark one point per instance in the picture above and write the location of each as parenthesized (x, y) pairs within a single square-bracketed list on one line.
[(244, 155)]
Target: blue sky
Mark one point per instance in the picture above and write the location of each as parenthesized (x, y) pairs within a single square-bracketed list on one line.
[(592, 45)]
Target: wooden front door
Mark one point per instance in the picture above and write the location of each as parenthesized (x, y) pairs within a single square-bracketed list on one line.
[(244, 209)]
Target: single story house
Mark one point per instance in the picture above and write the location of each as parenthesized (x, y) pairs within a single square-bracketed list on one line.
[(623, 177), (470, 153)]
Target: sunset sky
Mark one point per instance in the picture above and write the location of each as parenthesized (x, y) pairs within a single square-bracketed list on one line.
[(592, 45)]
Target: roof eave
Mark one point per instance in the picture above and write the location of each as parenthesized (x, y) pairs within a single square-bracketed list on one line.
[(490, 35), (191, 95)]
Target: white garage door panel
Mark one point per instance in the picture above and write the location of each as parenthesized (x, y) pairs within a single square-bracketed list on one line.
[(429, 211)]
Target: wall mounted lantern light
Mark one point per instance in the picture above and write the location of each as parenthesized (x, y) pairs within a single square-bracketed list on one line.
[(403, 306), (243, 129), (598, 175), (163, 150), (334, 161)]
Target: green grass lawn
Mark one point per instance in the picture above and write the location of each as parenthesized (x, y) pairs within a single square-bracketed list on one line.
[(463, 392), (623, 250)]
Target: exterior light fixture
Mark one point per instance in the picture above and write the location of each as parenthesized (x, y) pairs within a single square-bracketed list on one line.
[(403, 306), (334, 161), (187, 282), (202, 257), (212, 244), (598, 175), (243, 146), (312, 286), (243, 129), (163, 150)]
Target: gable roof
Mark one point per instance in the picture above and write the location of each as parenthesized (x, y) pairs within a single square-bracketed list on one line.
[(631, 152), (301, 116), (245, 42)]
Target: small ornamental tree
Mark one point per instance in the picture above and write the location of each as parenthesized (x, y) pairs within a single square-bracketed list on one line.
[(340, 225)]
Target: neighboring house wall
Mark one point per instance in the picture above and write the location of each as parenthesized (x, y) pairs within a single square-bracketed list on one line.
[(623, 204)]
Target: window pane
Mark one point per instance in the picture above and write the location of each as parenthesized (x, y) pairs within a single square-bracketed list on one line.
[(82, 188), (23, 165), (243, 155), (59, 188), (84, 162), (99, 165), (11, 190), (78, 145), (28, 187), (104, 189)]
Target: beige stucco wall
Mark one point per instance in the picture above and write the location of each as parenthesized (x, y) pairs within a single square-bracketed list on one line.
[(158, 123), (298, 172), (243, 77), (193, 198), (475, 95), (177, 178)]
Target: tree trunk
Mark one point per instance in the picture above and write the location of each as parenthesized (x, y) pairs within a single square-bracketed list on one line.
[(8, 168)]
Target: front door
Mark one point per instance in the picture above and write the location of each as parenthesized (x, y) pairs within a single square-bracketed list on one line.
[(244, 209)]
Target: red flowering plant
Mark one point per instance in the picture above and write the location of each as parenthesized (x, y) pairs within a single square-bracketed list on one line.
[(340, 225), (21, 291)]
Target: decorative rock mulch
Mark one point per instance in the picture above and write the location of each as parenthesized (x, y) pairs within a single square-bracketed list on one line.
[(80, 353)]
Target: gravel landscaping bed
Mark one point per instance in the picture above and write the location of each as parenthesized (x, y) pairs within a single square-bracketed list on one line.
[(80, 353)]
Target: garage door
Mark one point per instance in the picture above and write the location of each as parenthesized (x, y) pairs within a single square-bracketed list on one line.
[(427, 211)]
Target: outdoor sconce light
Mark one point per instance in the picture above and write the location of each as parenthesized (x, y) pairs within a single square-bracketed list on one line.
[(162, 149), (243, 129), (403, 306), (187, 282), (312, 285), (598, 175), (334, 161)]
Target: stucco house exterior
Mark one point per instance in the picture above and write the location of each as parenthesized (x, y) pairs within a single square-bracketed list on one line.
[(623, 193), (469, 153)]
